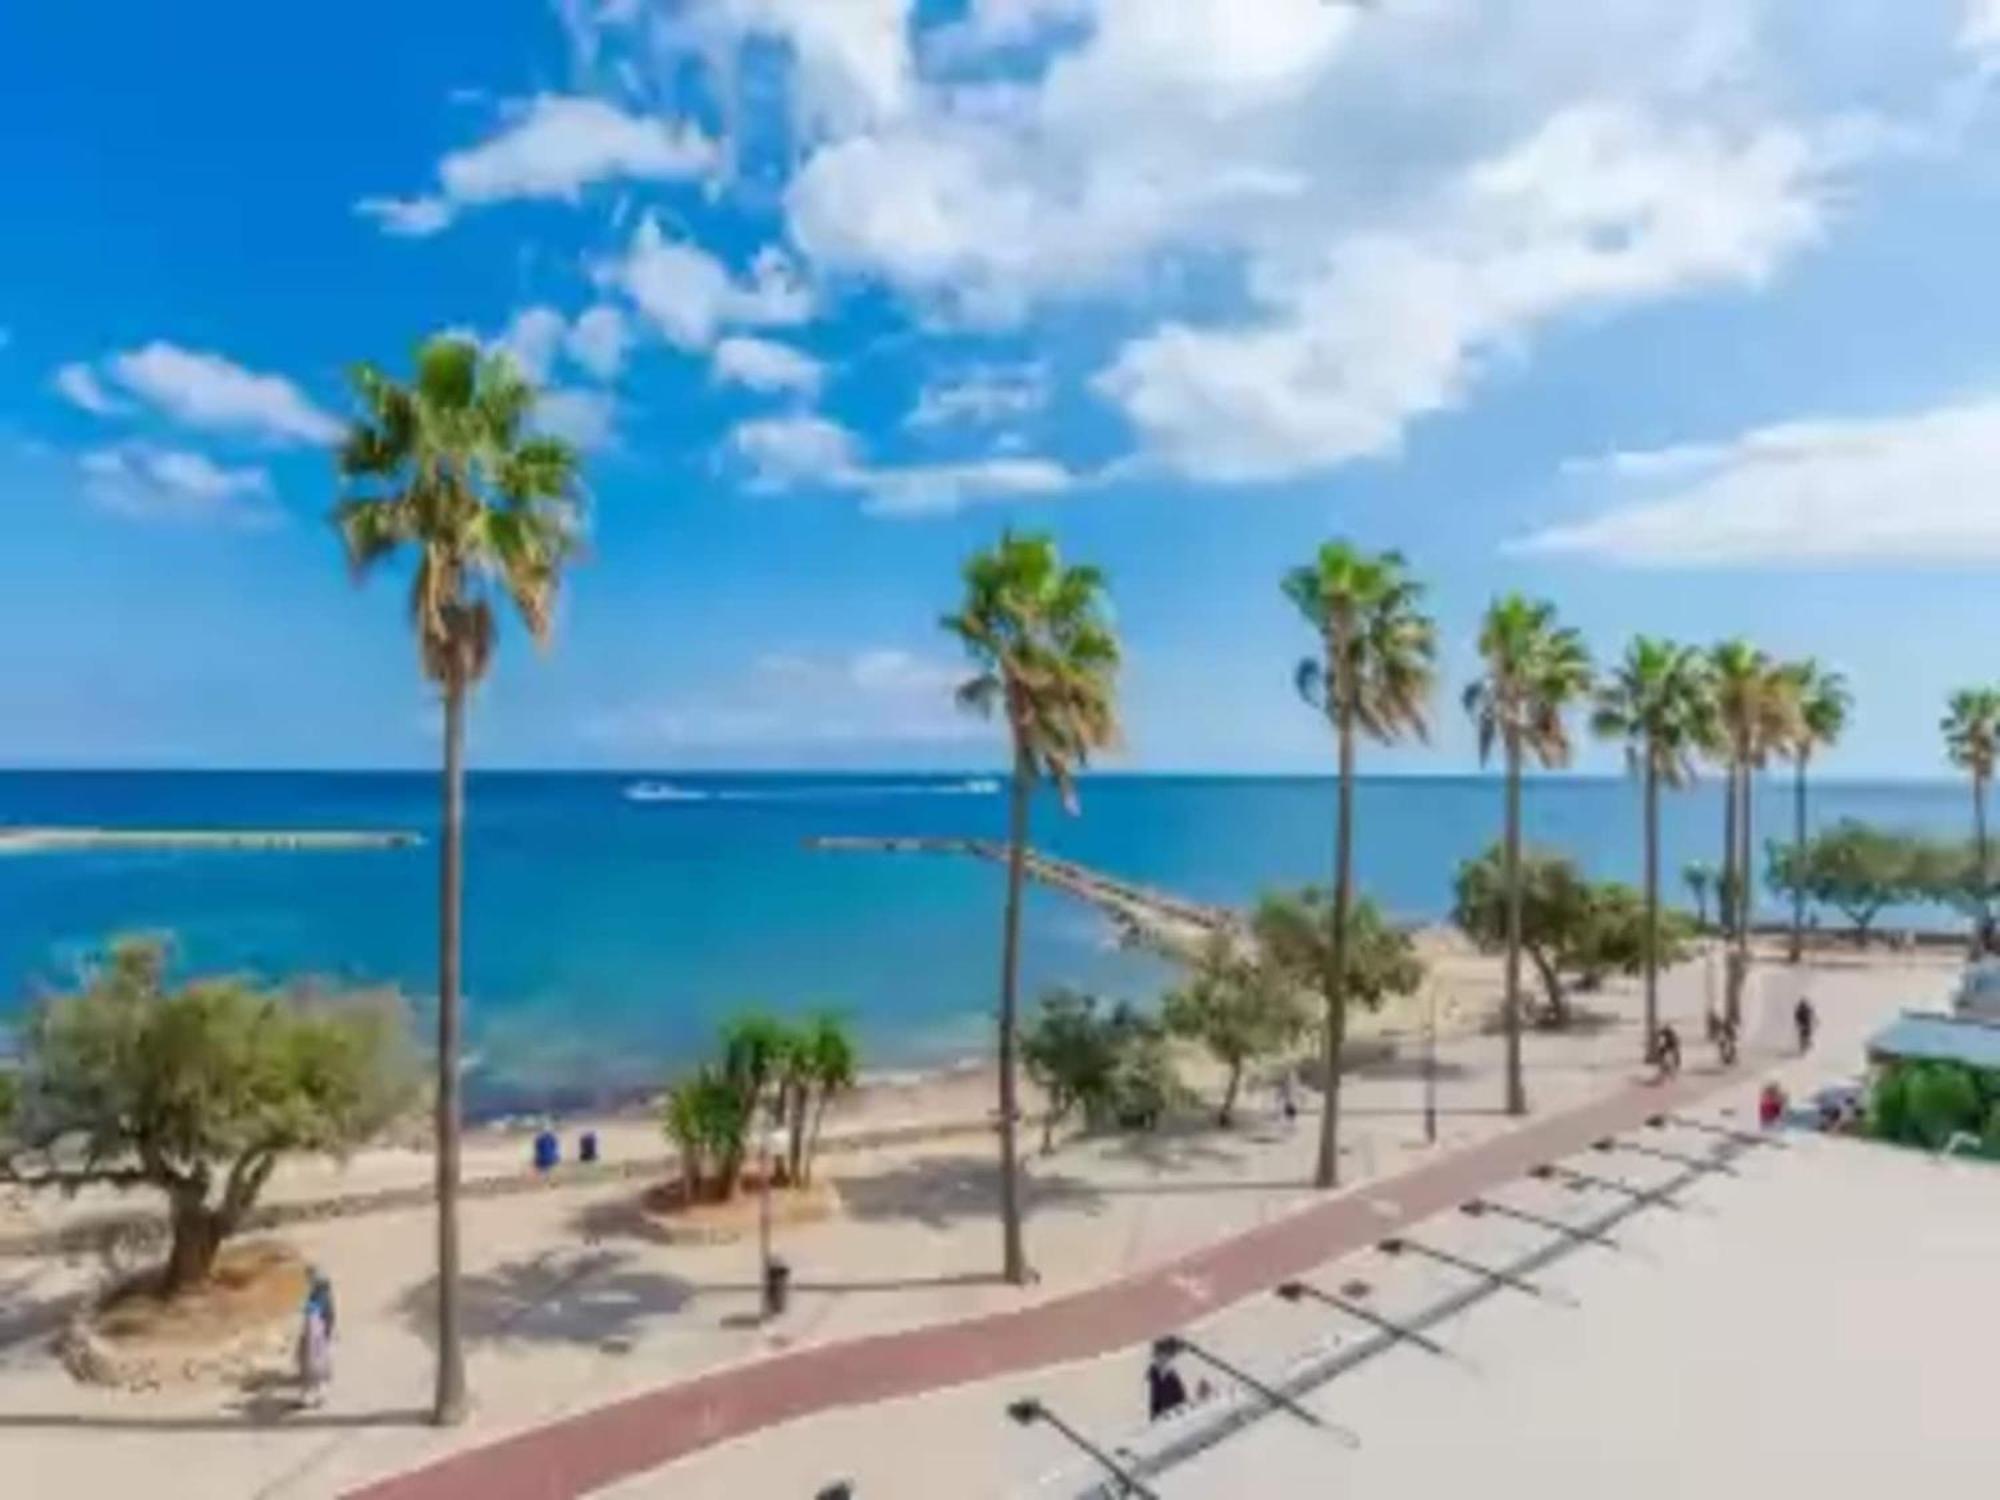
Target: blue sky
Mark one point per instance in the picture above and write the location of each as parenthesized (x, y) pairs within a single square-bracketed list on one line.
[(1677, 311)]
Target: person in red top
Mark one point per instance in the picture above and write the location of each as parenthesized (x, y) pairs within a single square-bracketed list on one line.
[(1770, 1105)]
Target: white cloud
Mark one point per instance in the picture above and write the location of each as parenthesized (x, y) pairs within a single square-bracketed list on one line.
[(762, 365), (874, 696), (1601, 206), (412, 218), (785, 453), (534, 336), (585, 418), (1886, 490), (537, 337), (598, 341), (937, 489), (555, 147), (78, 384), (1150, 132), (982, 396), (849, 62), (1979, 31), (208, 391), (145, 483), (690, 296)]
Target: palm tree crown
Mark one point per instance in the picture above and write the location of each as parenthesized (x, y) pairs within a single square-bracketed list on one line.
[(1657, 700), (1380, 650), (1535, 670), (1755, 704), (1821, 704), (446, 466), (1971, 729), (1040, 634)]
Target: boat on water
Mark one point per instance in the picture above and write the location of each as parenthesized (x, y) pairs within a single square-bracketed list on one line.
[(661, 791)]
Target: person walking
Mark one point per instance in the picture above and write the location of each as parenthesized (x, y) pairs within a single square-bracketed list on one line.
[(1667, 1051), (1805, 1020), (1166, 1392), (315, 1352)]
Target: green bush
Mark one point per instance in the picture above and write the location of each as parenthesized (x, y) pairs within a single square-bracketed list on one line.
[(1889, 1105), (1108, 1062), (1942, 1098)]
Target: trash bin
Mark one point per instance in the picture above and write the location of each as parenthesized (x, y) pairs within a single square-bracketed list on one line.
[(548, 1151), (586, 1147), (777, 1287)]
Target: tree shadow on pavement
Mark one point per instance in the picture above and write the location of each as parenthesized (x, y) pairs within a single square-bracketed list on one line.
[(595, 1298), (247, 1416), (1407, 1067), (940, 1191)]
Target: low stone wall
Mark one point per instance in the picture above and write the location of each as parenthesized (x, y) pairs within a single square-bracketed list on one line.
[(116, 1236)]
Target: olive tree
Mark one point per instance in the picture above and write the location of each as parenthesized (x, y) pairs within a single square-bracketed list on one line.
[(1572, 928), (1241, 1007), (196, 1089)]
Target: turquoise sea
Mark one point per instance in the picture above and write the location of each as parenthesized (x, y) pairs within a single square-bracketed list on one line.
[(613, 919)]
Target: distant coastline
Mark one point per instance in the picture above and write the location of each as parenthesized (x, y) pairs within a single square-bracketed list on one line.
[(86, 840)]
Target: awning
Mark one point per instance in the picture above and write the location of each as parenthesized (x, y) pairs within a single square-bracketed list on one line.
[(1919, 1036)]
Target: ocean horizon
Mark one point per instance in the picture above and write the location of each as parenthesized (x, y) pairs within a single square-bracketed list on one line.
[(613, 919)]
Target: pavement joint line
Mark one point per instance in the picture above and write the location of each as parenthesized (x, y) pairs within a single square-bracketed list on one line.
[(1192, 1444)]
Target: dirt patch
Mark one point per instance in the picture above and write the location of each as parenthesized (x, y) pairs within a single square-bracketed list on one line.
[(244, 1316), (672, 1219)]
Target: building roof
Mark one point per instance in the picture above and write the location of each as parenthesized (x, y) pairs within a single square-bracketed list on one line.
[(1921, 1036)]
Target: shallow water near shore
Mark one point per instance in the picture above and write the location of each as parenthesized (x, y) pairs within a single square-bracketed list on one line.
[(613, 920)]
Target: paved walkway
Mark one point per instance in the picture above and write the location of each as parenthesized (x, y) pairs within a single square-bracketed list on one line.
[(596, 1448)]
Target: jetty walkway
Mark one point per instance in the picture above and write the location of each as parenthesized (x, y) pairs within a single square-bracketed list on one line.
[(1141, 910)]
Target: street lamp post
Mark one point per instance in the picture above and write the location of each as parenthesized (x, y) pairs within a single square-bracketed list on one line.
[(766, 1280), (1430, 1063)]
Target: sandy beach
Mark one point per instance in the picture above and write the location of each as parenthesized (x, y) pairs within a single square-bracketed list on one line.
[(572, 1302)]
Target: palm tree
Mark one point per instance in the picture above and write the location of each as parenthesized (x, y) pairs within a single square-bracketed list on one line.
[(445, 469), (1373, 677), (1971, 729), (1535, 671), (1753, 713), (1657, 702), (1821, 702), (1046, 657)]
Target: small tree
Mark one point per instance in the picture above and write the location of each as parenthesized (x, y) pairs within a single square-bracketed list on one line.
[(1070, 1049), (1570, 926), (1858, 870), (1239, 1006), (1612, 937), (1555, 902), (818, 1063), (1295, 932), (197, 1091), (704, 1119)]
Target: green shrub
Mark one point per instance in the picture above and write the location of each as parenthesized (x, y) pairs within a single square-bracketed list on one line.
[(1889, 1104), (1944, 1098)]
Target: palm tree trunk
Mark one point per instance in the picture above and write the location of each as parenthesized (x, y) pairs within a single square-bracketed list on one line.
[(1517, 1094), (1984, 938), (1652, 905), (1799, 858), (1013, 1259), (449, 1407), (1741, 972), (1726, 896), (1327, 1172)]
